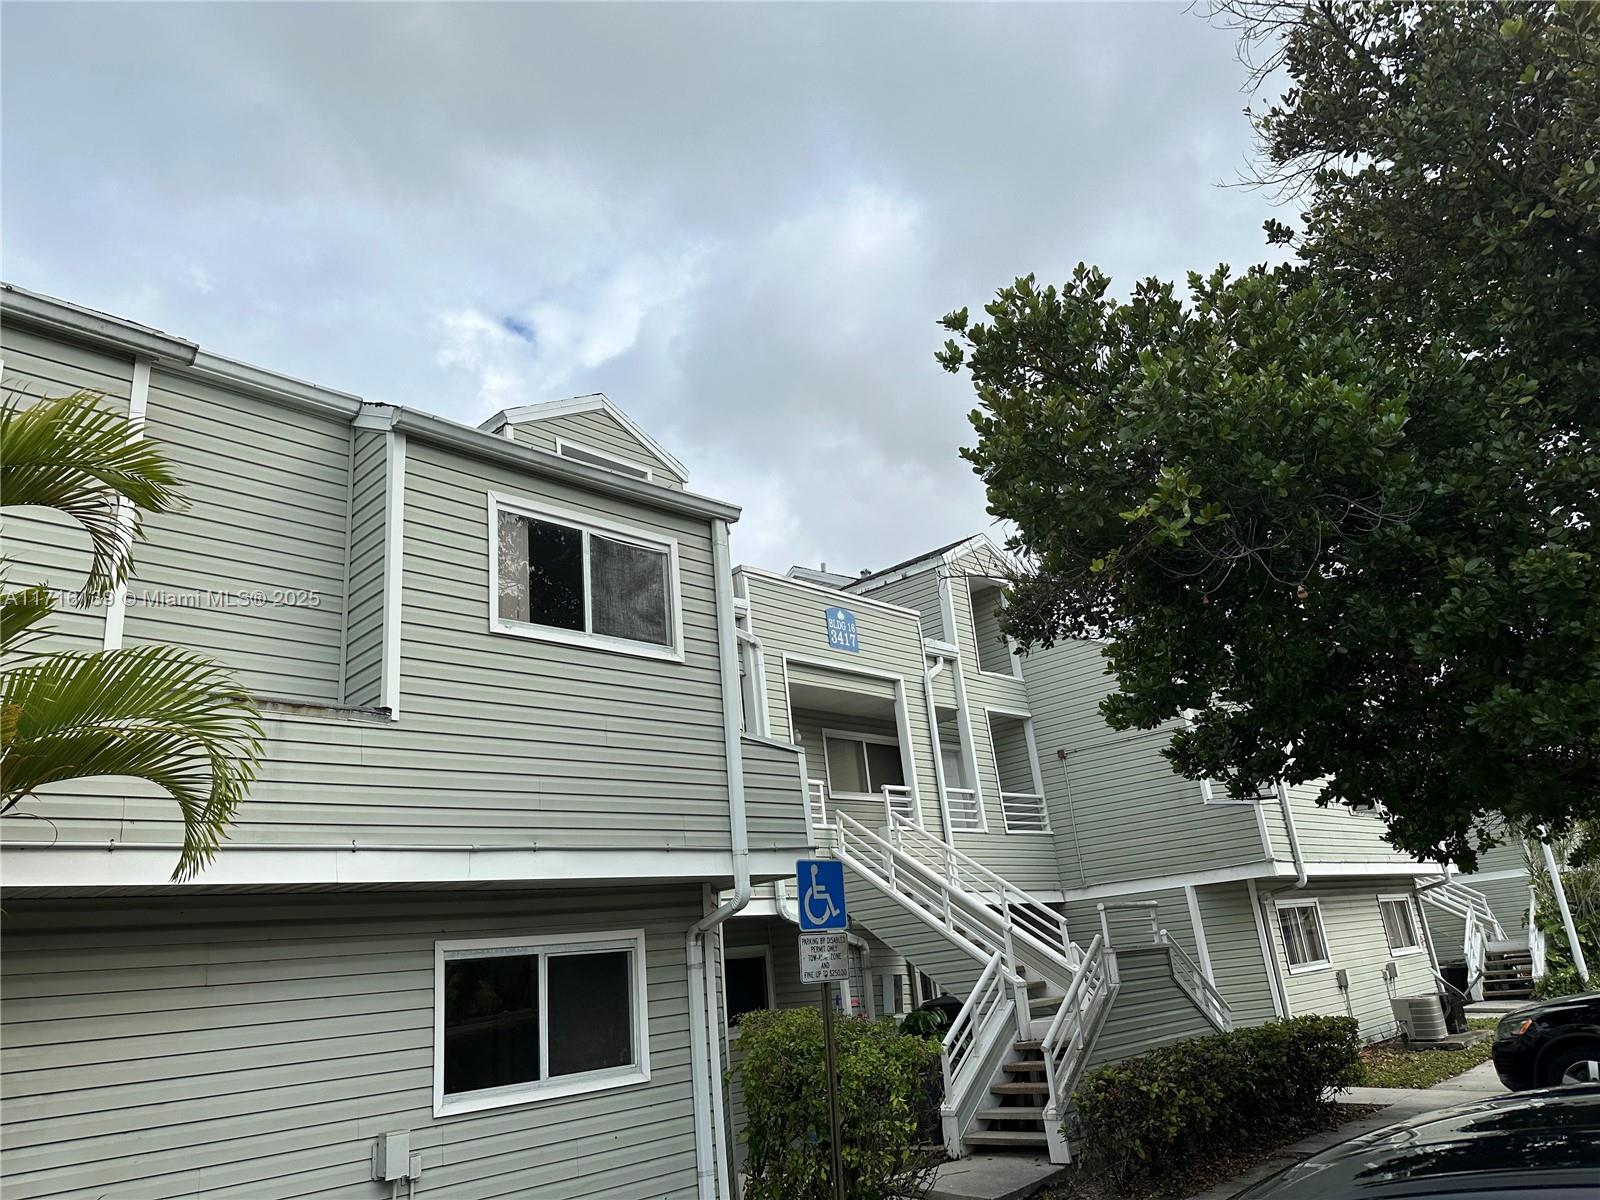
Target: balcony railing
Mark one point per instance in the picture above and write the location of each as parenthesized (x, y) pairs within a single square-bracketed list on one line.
[(1024, 812), (897, 799), (817, 790), (965, 812)]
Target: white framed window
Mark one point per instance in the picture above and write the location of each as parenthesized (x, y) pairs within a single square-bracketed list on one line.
[(1400, 925), (747, 982), (1305, 945), (861, 765), (1214, 791), (987, 598), (591, 457), (559, 576), (517, 1020)]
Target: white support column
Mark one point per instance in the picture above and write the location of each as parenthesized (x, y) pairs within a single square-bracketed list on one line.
[(1560, 890), (138, 405), (1202, 950)]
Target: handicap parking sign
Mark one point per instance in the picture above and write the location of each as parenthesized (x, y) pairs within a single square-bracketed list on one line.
[(819, 886)]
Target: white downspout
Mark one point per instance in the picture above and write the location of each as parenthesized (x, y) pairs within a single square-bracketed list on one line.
[(712, 1176), (938, 752), (1560, 890), (1294, 838)]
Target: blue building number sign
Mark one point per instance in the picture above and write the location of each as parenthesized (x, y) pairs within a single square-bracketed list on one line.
[(842, 630)]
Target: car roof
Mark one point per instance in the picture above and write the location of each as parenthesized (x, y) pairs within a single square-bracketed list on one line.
[(1548, 1139)]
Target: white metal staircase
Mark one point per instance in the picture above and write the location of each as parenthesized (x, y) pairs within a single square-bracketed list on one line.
[(1483, 939), (1022, 1039)]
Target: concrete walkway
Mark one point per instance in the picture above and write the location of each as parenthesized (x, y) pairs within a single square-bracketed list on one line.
[(994, 1177), (1479, 1083)]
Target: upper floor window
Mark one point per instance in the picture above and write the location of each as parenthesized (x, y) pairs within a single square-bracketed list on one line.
[(1399, 925), (994, 650), (591, 457), (563, 577), (518, 1020), (862, 766)]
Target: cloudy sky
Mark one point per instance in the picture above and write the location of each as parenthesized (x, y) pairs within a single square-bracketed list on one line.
[(740, 222)]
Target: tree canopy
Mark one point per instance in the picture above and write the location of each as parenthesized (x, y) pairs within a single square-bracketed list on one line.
[(1340, 514)]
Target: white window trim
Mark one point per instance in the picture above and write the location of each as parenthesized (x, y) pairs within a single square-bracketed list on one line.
[(631, 469), (563, 1085), (765, 954), (539, 511), (1033, 765), (850, 735), (1213, 792), (1305, 968), (1412, 915), (972, 616)]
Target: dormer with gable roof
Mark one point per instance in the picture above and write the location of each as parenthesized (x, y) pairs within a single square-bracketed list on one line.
[(593, 431)]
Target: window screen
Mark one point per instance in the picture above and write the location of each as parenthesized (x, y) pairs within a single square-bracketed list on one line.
[(629, 588), (591, 1011), (745, 979), (491, 1022)]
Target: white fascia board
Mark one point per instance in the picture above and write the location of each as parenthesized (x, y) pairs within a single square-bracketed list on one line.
[(598, 402), (839, 598), (98, 328)]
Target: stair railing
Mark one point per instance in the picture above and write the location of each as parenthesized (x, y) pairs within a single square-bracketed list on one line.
[(1067, 1043), (988, 1018), (1017, 908), (1192, 979)]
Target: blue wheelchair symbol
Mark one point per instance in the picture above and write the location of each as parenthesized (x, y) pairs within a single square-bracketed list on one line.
[(820, 886)]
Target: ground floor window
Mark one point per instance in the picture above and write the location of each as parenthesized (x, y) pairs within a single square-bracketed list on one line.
[(521, 1019), (1399, 925), (747, 977), (1304, 943)]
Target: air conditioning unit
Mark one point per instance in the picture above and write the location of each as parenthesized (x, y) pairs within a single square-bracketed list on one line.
[(1421, 1018)]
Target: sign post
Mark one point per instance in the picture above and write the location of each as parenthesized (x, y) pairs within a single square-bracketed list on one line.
[(824, 958)]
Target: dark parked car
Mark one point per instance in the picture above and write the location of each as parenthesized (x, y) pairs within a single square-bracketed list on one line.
[(1546, 1044), (1542, 1145)]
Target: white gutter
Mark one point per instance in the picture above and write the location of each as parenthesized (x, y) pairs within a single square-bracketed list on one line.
[(705, 1066), (1560, 890), (1294, 838), (938, 754)]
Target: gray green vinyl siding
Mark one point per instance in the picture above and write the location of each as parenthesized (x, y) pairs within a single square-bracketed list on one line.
[(1353, 928), (811, 730), (596, 430), (788, 617), (919, 592), (928, 949), (1149, 1010), (266, 491), (1335, 833), (774, 785), (44, 547), (1129, 923), (252, 1048), (369, 512), (1119, 811), (1234, 944)]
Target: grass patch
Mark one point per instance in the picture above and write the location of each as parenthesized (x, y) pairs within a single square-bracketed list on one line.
[(1245, 1152), (1388, 1065)]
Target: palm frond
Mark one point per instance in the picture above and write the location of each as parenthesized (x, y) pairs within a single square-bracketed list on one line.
[(156, 713), (20, 611), (71, 454)]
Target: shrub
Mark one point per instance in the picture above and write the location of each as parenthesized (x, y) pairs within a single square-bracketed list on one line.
[(1148, 1117), (886, 1081)]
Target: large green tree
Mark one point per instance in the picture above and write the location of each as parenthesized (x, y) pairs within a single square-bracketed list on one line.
[(1342, 513)]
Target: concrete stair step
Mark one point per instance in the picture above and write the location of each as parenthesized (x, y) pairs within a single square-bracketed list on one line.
[(1027, 1045), (1021, 1112), (997, 1137), (1019, 1088), (1024, 1066)]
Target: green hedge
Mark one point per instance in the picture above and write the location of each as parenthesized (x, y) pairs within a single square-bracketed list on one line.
[(887, 1082), (1148, 1117)]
